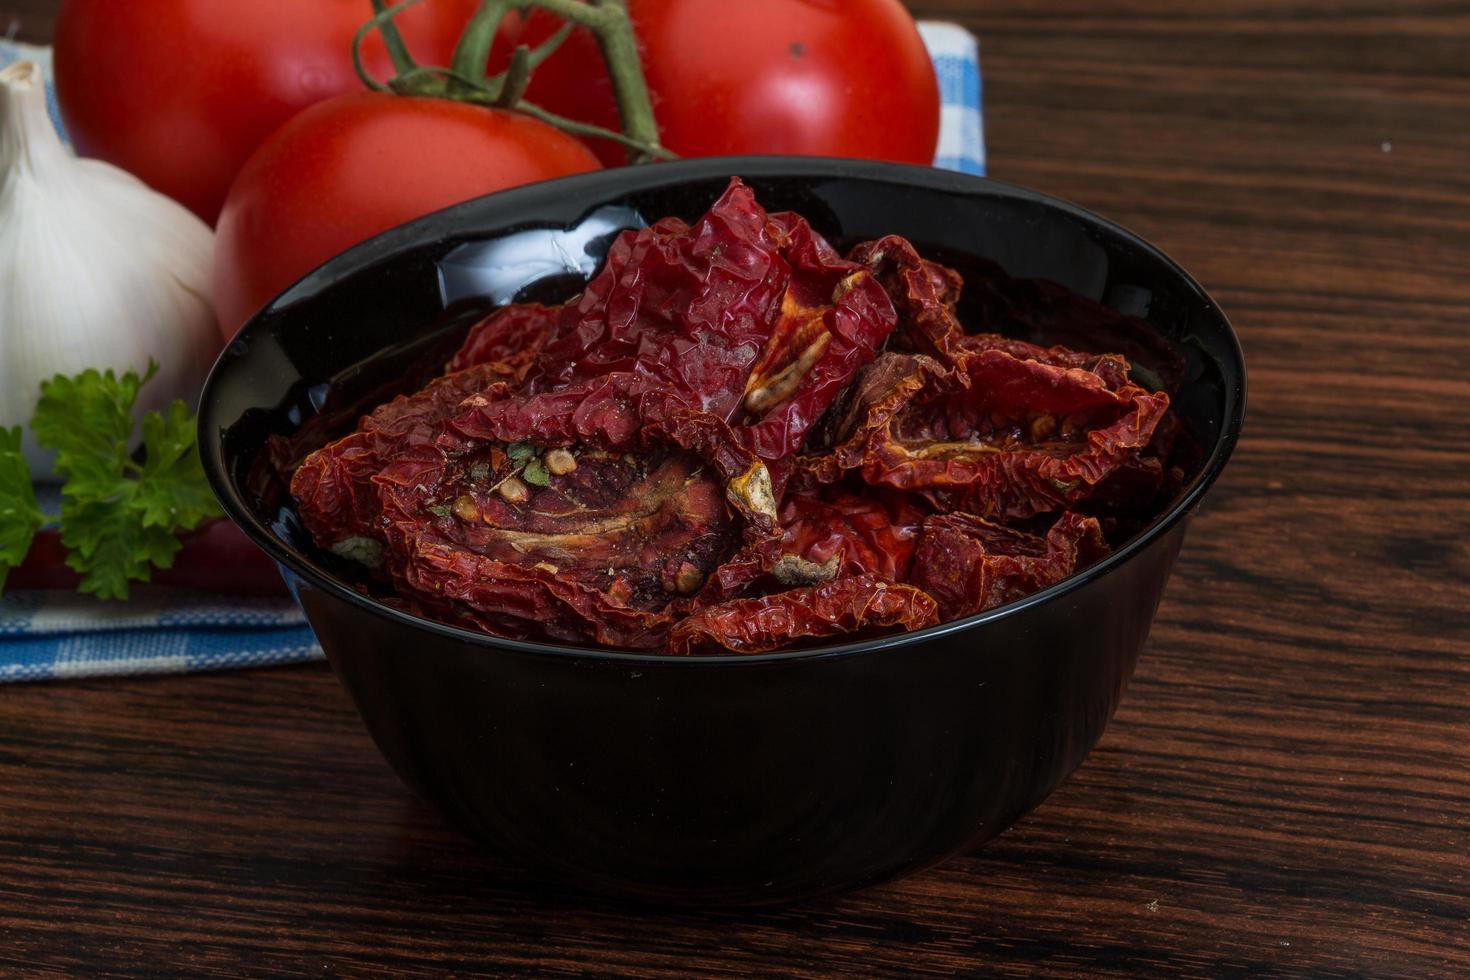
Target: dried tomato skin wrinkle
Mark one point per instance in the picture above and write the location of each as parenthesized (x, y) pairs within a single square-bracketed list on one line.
[(605, 553), (982, 423), (685, 305), (748, 316), (925, 294), (972, 444), (834, 317), (872, 534), (969, 565), (1014, 481), (332, 486), (878, 394), (1008, 309), (852, 607), (509, 341)]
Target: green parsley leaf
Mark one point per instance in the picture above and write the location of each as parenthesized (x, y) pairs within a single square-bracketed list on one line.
[(535, 473), (120, 518), (172, 489), (108, 543), (520, 451), (20, 518), (88, 420)]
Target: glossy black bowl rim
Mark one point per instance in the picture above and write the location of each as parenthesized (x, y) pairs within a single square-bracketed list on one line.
[(603, 184)]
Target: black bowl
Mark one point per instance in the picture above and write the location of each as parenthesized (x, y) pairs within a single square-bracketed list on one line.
[(754, 779)]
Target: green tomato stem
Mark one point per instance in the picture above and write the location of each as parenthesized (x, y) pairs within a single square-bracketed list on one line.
[(464, 80), (548, 47), (641, 150), (434, 82), (382, 22), (517, 76), (613, 30), (392, 40), (473, 50)]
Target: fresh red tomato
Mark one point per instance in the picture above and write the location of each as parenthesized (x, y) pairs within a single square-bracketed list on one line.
[(180, 92), (348, 168), (813, 77)]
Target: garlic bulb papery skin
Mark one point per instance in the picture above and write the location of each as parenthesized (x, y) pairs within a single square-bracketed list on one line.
[(97, 270)]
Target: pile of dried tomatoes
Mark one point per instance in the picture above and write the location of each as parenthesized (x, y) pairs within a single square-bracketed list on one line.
[(738, 440)]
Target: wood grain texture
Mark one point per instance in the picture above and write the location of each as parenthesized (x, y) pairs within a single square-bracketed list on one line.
[(1286, 788), (28, 20)]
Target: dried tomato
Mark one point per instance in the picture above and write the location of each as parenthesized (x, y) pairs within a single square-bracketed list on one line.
[(332, 486), (872, 534), (585, 544), (925, 294), (878, 394), (750, 317), (970, 565), (851, 608), (1043, 310), (596, 554), (509, 340), (1007, 436)]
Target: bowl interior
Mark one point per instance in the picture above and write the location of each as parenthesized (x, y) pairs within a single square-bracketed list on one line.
[(381, 319)]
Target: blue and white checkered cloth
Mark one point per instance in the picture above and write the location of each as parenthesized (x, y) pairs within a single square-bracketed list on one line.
[(956, 57), (55, 635)]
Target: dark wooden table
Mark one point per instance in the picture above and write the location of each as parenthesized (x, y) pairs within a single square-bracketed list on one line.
[(1287, 786)]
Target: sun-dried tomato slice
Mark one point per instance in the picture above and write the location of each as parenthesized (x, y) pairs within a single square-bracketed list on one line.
[(750, 317), (581, 546), (1006, 310), (847, 608), (970, 565), (872, 534), (924, 293), (509, 341), (825, 534), (1048, 312), (880, 392), (1025, 437), (1006, 436), (834, 317), (596, 540), (336, 499), (688, 305)]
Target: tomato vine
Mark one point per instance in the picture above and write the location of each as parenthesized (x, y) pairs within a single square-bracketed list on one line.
[(465, 78)]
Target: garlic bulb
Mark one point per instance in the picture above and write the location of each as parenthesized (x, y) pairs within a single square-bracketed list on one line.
[(96, 270)]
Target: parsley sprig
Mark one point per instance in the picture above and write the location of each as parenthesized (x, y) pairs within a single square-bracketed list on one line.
[(20, 518), (121, 513)]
